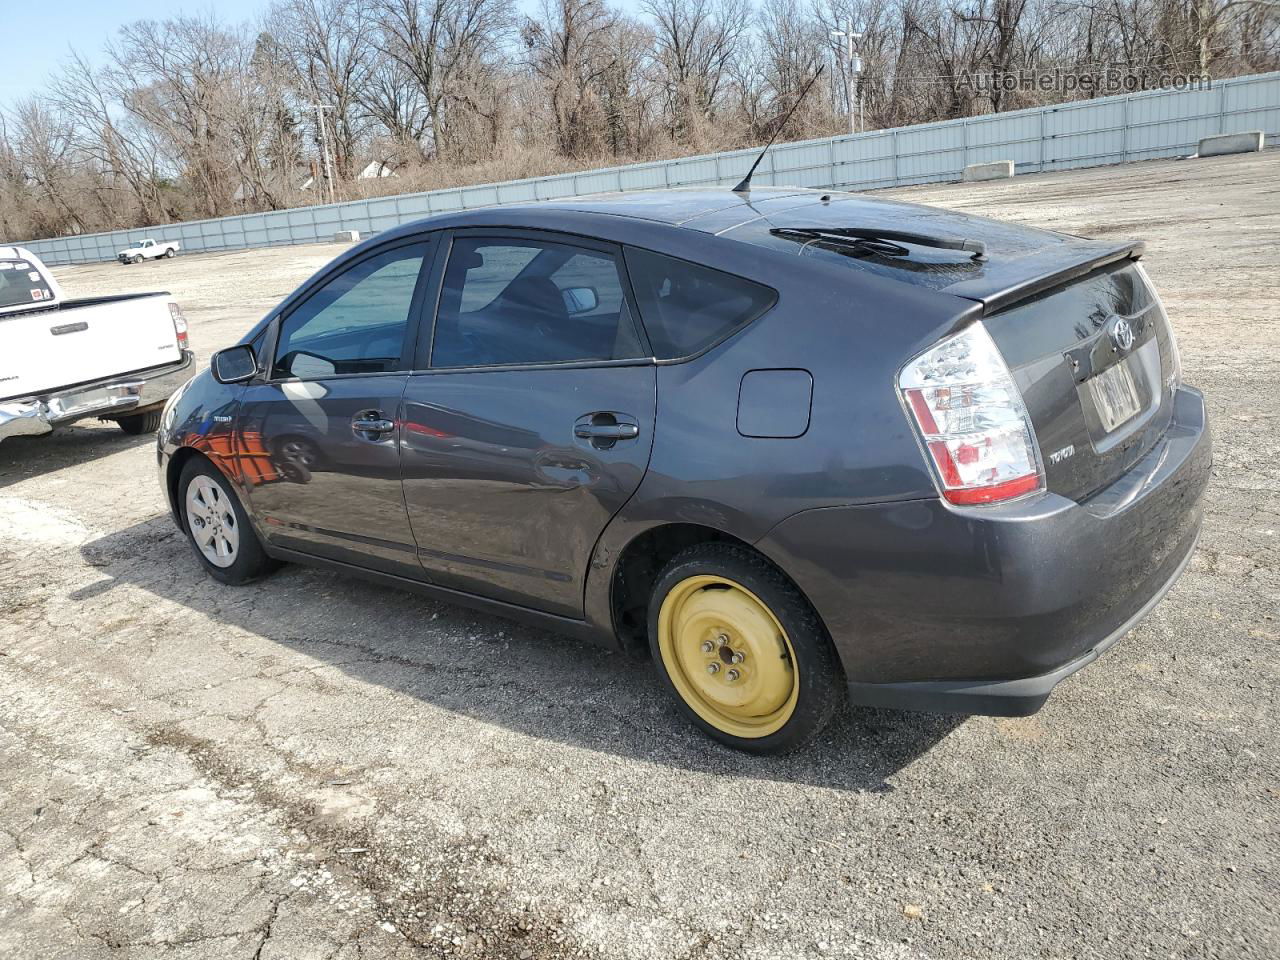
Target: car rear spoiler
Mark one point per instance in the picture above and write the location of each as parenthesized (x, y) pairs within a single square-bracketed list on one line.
[(1004, 285)]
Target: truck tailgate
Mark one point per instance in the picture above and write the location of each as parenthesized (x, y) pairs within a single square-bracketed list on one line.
[(46, 350)]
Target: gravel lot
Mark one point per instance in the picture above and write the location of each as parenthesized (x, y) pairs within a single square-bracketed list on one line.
[(314, 767)]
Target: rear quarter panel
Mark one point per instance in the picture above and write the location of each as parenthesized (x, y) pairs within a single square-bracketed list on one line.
[(852, 333)]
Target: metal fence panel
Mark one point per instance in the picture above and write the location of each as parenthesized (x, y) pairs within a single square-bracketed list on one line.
[(1121, 129)]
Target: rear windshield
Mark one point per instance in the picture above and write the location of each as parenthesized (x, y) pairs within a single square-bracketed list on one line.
[(21, 283), (687, 307), (921, 266)]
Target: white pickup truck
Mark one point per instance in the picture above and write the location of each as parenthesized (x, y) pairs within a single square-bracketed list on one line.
[(148, 249), (115, 358)]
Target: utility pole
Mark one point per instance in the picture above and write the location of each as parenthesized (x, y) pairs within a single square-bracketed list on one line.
[(324, 146), (852, 76)]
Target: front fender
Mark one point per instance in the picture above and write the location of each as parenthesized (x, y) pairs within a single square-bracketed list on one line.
[(201, 419)]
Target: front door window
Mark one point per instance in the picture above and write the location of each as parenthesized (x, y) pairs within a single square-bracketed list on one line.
[(356, 323)]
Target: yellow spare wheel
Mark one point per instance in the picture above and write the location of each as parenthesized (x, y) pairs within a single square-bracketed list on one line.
[(728, 656)]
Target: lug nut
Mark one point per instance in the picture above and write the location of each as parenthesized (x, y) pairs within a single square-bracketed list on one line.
[(723, 639), (738, 656), (713, 668), (733, 675), (707, 646)]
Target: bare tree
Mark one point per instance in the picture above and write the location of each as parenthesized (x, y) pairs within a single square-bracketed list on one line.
[(43, 144), (444, 47), (181, 78), (568, 50), (794, 50), (111, 141), (331, 46), (695, 42), (393, 98)]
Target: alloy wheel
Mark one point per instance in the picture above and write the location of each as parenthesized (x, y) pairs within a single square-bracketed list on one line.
[(212, 518)]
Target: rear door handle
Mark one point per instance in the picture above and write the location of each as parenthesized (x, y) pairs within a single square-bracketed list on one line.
[(606, 431)]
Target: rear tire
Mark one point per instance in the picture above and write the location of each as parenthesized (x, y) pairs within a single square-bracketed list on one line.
[(218, 527), (168, 254), (140, 423), (742, 651)]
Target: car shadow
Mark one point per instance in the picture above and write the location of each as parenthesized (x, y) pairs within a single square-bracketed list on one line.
[(494, 670), (22, 458)]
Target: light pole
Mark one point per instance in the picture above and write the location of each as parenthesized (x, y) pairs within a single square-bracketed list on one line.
[(320, 108), (853, 77)]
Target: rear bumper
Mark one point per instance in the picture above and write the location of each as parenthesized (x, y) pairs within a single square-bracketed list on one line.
[(114, 397), (986, 610)]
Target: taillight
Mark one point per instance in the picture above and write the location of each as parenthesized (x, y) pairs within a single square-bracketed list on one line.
[(179, 325), (971, 420), (1174, 379)]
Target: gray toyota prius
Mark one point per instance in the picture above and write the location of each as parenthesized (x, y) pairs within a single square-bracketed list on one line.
[(802, 448)]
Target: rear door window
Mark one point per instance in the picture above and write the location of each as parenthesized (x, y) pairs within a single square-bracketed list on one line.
[(516, 301), (355, 323), (687, 307), (21, 283)]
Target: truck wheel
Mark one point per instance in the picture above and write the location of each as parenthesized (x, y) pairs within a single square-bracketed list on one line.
[(742, 650), (137, 258), (218, 527), (169, 254), (140, 423)]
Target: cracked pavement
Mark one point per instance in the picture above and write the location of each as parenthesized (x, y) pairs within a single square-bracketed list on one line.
[(314, 767)]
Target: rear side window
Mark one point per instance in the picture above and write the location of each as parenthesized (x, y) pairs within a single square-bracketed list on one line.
[(355, 323), (21, 283), (686, 307)]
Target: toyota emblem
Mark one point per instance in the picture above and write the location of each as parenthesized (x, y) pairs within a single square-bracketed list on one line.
[(1122, 334)]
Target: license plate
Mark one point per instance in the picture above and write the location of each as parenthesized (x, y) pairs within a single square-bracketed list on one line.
[(1115, 396)]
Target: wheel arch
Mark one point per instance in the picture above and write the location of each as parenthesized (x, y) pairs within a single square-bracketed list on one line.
[(641, 560), (173, 473), (178, 461)]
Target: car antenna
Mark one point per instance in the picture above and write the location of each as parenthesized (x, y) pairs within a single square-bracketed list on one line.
[(745, 185)]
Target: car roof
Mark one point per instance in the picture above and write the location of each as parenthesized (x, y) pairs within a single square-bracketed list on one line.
[(684, 206), (679, 222), (723, 213), (709, 210)]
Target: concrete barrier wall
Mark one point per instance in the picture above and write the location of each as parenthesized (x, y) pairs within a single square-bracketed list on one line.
[(975, 172), (1250, 142), (1087, 133)]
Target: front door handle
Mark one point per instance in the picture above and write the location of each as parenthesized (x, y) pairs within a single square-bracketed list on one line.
[(371, 425)]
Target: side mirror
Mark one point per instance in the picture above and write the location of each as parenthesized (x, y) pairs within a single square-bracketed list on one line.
[(235, 364), (580, 299)]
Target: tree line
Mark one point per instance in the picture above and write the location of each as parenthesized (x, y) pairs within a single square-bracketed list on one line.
[(192, 116)]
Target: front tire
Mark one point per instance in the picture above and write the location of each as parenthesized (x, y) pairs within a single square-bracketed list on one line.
[(140, 423), (742, 651), (218, 527)]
